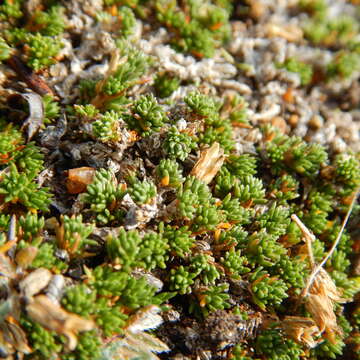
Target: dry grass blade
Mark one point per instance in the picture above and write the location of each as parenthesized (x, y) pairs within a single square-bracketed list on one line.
[(209, 163)]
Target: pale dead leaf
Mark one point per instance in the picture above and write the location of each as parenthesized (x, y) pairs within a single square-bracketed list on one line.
[(24, 257), (36, 281), (292, 33), (36, 117), (7, 267), (144, 344), (135, 343), (54, 318), (147, 318), (209, 163)]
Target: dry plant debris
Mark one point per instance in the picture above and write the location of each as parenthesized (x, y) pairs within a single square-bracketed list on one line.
[(209, 163), (320, 293)]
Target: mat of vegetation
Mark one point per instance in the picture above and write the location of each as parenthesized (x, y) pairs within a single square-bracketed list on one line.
[(176, 177)]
